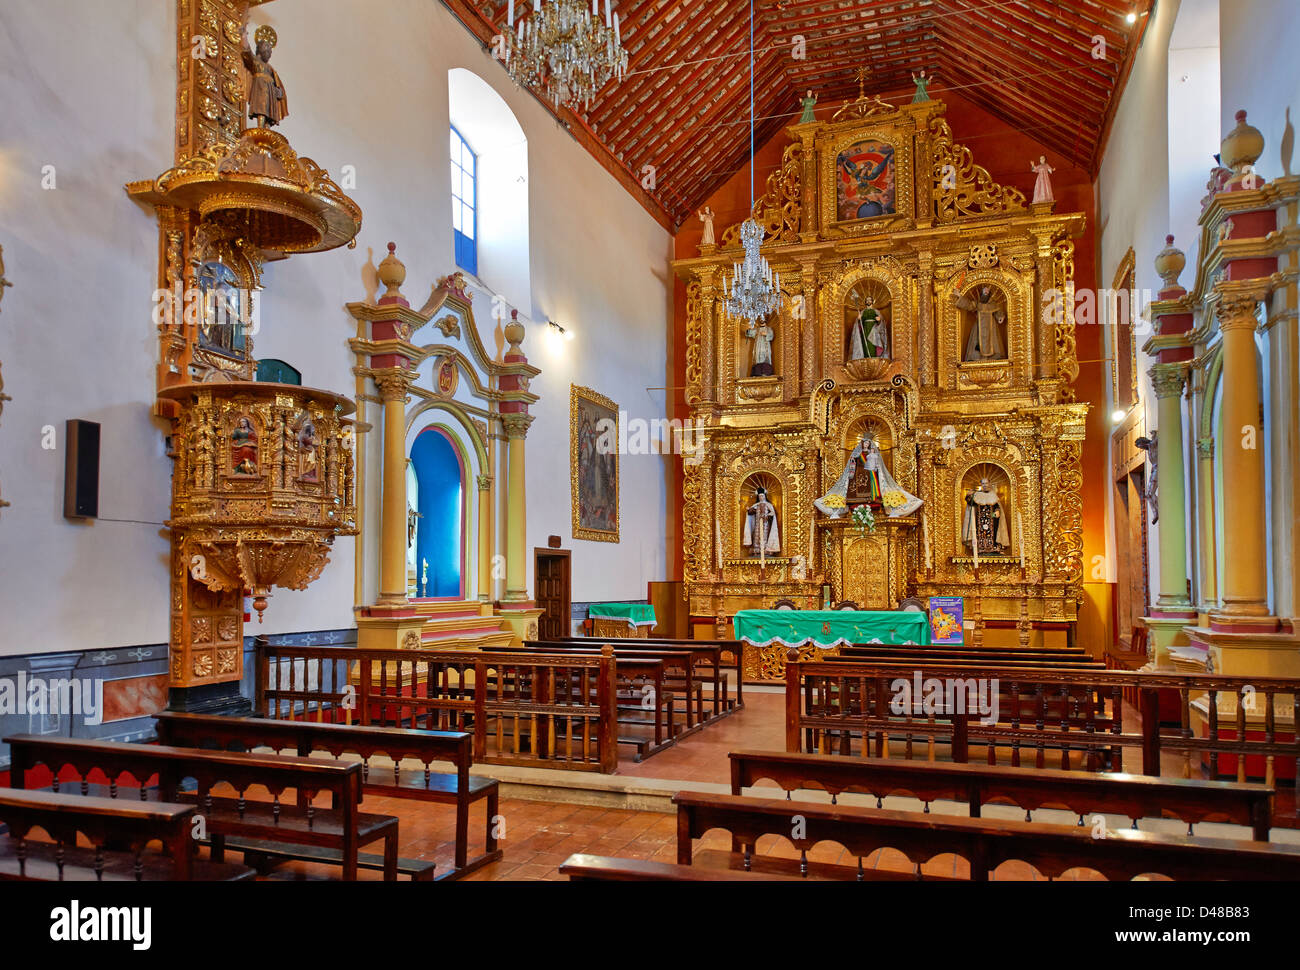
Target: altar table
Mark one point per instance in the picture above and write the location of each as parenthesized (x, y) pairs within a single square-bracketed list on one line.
[(621, 620), (768, 634)]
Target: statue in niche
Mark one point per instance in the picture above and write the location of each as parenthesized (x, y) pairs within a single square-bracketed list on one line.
[(985, 341), (267, 105), (869, 336), (762, 335), (222, 308), (243, 447), (984, 526), (866, 481), (307, 452), (411, 516), (761, 535), (1043, 184)]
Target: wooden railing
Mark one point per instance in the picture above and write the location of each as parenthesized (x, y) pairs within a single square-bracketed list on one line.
[(1233, 726), (541, 710)]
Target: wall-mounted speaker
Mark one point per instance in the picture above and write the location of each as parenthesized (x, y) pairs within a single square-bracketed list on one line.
[(81, 470)]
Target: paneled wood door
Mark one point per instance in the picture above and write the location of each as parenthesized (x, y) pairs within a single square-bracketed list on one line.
[(551, 583)]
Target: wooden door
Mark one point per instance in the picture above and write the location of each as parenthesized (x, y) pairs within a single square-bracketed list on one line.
[(551, 583)]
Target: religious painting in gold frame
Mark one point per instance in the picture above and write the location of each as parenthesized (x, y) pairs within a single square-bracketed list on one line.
[(593, 464), (856, 197)]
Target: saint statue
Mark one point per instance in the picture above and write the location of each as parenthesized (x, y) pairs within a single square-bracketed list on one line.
[(307, 451), (761, 535), (1043, 184), (870, 334), (808, 102), (984, 522), (762, 336), (243, 448), (266, 101), (705, 216), (866, 474), (922, 87), (985, 340)]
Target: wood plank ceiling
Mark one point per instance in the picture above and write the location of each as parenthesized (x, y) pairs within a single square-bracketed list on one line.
[(684, 106)]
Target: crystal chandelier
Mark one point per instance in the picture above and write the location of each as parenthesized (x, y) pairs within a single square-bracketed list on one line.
[(754, 290), (565, 50)]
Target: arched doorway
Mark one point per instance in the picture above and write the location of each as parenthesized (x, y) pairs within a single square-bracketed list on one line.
[(440, 505)]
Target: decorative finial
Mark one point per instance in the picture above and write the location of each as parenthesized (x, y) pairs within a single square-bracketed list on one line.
[(1240, 150), (392, 272), (1169, 263), (514, 332), (862, 74)]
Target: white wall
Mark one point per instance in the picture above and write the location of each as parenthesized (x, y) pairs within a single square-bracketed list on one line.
[(367, 87), (1133, 210)]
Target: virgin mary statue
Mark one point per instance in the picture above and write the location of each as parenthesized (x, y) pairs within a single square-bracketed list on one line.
[(893, 498)]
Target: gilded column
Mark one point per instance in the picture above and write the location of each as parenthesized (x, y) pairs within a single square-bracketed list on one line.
[(1244, 584), (808, 335), (1209, 593), (1168, 381), (925, 318), (516, 427), (708, 342), (484, 538), (515, 420), (394, 385)]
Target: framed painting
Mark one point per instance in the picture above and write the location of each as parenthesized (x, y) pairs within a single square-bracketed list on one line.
[(593, 464), (864, 181)]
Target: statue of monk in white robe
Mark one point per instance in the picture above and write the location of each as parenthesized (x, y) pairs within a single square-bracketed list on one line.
[(985, 340)]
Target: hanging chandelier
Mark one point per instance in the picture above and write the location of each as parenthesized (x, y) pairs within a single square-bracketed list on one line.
[(564, 49), (754, 290)]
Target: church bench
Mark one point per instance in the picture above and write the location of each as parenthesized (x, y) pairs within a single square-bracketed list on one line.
[(119, 833), (985, 844), (581, 867), (685, 660), (1065, 710), (647, 671), (724, 658), (342, 827), (503, 699), (1081, 792), (306, 738)]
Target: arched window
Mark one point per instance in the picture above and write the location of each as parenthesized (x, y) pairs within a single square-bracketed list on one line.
[(499, 206), (464, 202)]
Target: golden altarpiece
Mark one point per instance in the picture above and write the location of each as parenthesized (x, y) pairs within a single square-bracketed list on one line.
[(962, 381), (262, 480)]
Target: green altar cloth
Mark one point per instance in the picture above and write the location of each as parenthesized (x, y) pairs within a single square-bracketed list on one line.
[(633, 614), (830, 628)]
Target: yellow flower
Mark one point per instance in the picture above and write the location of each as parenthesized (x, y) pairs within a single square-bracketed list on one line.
[(894, 498), (834, 501)]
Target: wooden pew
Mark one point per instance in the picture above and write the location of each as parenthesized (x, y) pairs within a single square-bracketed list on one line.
[(504, 699), (341, 829), (1081, 792), (634, 673), (596, 868), (984, 844), (119, 833), (306, 738), (686, 681), (727, 654)]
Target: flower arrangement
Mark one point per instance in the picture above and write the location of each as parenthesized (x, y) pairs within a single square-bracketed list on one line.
[(894, 498), (834, 501), (864, 519)]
